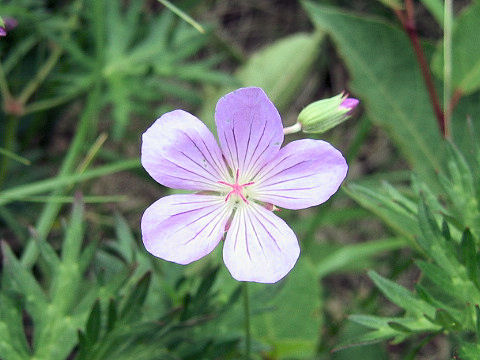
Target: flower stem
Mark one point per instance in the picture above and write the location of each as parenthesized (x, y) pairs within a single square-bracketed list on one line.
[(292, 129), (9, 142), (447, 61), (4, 84), (407, 19), (246, 307)]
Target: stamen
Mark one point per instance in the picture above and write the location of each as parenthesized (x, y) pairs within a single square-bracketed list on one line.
[(237, 188)]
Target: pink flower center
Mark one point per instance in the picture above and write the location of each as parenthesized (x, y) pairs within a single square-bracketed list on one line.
[(237, 189)]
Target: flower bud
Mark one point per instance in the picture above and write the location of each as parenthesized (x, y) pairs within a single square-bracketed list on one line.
[(7, 23), (325, 114)]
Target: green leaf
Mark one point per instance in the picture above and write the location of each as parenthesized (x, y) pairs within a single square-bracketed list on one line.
[(469, 351), (18, 192), (74, 234), (134, 301), (112, 315), (394, 215), (401, 296), (465, 52), (92, 332), (13, 344), (469, 256), (348, 255), (279, 69), (185, 17), (291, 327), (436, 9), (126, 241), (386, 76), (447, 321), (24, 282)]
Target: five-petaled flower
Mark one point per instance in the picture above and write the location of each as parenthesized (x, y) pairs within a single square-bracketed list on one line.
[(236, 185)]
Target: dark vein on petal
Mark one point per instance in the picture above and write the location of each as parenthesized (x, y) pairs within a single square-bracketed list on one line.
[(203, 154), (268, 232), (265, 178), (292, 189), (256, 147), (197, 219), (246, 149), (215, 159), (258, 238), (236, 146), (200, 166), (256, 164), (228, 148), (190, 171), (189, 211), (273, 167)]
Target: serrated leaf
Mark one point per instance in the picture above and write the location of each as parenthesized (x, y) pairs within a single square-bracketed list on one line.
[(381, 205), (401, 296), (24, 282)]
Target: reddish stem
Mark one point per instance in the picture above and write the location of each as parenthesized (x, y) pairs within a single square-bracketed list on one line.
[(407, 18)]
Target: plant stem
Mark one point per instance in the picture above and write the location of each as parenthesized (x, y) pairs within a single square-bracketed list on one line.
[(4, 85), (407, 19), (246, 307), (41, 75), (9, 142), (292, 129), (51, 210), (447, 67)]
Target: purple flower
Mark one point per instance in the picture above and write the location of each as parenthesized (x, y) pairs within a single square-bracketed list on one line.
[(236, 184)]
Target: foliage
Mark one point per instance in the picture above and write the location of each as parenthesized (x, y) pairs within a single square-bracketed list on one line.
[(81, 80)]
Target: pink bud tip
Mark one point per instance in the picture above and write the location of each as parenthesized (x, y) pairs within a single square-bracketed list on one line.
[(349, 103), (3, 32)]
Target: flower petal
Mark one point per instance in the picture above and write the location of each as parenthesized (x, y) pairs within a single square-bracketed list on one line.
[(185, 227), (249, 128), (259, 246), (305, 173), (180, 152)]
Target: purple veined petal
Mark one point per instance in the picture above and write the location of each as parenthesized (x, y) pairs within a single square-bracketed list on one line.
[(249, 129), (180, 152), (305, 173), (259, 246), (185, 227)]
